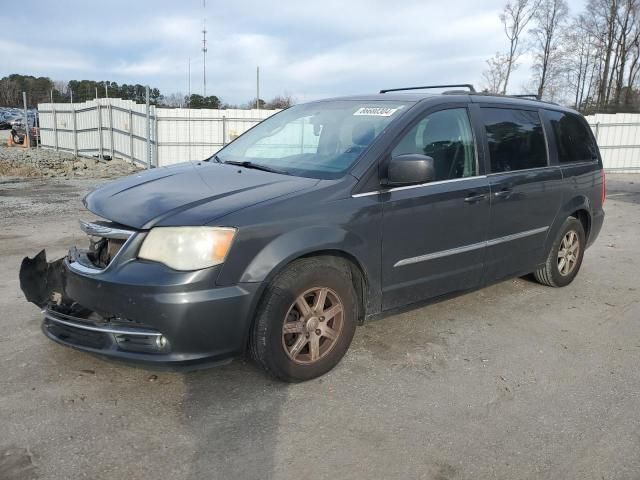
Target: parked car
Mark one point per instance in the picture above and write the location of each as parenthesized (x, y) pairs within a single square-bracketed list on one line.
[(18, 131), (7, 122), (325, 215)]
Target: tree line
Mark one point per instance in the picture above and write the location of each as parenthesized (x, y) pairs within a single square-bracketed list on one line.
[(43, 89), (589, 60)]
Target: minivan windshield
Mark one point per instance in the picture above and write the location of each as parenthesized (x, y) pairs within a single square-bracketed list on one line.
[(319, 140)]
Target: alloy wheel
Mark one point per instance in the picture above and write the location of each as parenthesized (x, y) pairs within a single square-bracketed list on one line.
[(312, 325), (568, 253)]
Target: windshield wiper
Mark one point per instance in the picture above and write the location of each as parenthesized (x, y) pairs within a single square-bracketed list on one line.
[(215, 157), (256, 166)]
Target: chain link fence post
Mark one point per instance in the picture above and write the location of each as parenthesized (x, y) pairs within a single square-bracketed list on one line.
[(110, 126), (55, 123), (156, 153), (75, 129), (26, 120), (224, 130), (131, 134), (99, 117), (148, 113)]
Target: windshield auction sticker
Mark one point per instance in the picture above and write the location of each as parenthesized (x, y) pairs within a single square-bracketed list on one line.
[(375, 111)]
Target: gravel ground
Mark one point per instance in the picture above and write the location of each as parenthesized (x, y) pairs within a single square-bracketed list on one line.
[(515, 381)]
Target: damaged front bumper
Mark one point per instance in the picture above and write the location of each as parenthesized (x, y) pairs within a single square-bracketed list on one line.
[(139, 311), (78, 328)]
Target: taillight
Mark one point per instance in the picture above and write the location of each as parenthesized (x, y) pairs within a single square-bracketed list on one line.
[(604, 187)]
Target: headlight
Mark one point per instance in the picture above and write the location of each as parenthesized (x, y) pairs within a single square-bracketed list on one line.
[(187, 248)]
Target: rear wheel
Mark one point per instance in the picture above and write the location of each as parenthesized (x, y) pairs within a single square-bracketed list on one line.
[(306, 320), (16, 138), (565, 256)]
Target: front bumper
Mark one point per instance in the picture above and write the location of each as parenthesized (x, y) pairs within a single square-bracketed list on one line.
[(136, 302)]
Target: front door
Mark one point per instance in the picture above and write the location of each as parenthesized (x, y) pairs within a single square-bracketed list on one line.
[(434, 234)]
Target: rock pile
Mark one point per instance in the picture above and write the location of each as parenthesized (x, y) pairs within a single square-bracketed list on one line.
[(49, 163)]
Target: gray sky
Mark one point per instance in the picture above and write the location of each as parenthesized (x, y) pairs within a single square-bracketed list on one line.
[(309, 49)]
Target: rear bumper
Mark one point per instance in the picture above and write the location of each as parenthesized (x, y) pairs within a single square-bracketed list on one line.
[(138, 302)]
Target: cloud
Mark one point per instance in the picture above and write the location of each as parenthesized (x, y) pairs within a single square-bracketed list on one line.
[(145, 67), (309, 49), (28, 58)]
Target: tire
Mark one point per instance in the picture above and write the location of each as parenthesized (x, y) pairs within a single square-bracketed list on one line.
[(16, 138), (290, 356), (550, 273)]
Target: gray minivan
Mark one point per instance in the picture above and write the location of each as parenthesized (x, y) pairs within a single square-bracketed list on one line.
[(325, 215)]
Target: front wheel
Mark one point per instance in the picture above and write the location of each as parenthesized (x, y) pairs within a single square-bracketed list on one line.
[(306, 319), (16, 138), (565, 256)]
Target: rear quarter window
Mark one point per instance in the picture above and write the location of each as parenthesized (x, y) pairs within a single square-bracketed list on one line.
[(573, 139), (516, 139)]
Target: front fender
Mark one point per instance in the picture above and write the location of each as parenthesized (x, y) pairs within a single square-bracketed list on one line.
[(289, 246), (294, 244)]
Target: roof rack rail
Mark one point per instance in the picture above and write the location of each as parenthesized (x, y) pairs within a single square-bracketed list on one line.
[(463, 85), (527, 95)]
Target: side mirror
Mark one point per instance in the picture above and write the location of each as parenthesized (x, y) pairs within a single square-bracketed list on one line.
[(410, 169)]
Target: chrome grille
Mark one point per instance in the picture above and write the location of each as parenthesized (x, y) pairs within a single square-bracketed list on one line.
[(104, 230), (106, 242)]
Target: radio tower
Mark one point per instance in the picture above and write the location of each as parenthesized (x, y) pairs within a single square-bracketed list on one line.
[(204, 50)]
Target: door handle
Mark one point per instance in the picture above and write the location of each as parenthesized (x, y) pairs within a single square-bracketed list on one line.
[(475, 198), (504, 193)]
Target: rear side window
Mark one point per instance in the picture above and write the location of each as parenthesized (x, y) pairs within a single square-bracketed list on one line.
[(574, 141), (515, 137)]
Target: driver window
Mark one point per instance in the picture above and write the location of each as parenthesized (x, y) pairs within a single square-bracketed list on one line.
[(446, 137)]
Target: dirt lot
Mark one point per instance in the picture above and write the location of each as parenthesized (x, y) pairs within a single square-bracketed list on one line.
[(514, 381)]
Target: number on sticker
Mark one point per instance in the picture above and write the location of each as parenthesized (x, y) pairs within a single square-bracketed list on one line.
[(375, 111)]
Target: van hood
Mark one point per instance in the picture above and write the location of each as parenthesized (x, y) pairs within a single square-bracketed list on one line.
[(188, 194)]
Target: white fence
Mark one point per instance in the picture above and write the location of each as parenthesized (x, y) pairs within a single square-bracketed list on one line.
[(149, 136), (162, 136), (618, 137)]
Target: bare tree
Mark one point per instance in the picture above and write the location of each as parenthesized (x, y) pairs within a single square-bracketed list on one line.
[(603, 24), (628, 36), (496, 73), (281, 102), (634, 67), (580, 54), (591, 60), (174, 100), (61, 86), (515, 17), (9, 93), (549, 20)]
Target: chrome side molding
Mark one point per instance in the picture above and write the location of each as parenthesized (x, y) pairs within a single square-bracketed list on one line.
[(468, 248), (440, 254), (516, 236), (419, 185)]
